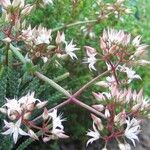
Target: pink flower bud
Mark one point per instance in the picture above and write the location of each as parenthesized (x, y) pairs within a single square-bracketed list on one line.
[(98, 96), (98, 107), (27, 9), (97, 121), (45, 114), (90, 50)]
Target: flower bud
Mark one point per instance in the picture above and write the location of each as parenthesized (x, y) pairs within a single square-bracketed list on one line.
[(107, 113), (46, 139), (60, 38), (32, 134), (136, 107), (27, 115), (26, 11), (7, 40), (45, 114), (41, 104), (98, 96), (97, 121), (99, 107), (103, 84)]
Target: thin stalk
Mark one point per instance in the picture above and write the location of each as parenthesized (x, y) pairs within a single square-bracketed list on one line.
[(77, 102), (52, 83), (89, 83), (73, 24), (18, 54)]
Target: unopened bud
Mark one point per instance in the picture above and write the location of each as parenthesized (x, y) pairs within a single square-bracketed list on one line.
[(99, 107), (32, 134), (46, 139), (107, 113), (27, 115), (60, 38), (45, 114), (136, 107), (7, 40), (41, 104), (97, 121), (26, 11)]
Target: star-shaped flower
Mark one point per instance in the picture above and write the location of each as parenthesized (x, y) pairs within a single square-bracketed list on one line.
[(70, 48), (95, 135), (91, 59), (132, 130), (14, 128)]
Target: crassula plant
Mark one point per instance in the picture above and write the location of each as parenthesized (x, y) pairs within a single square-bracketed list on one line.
[(118, 110)]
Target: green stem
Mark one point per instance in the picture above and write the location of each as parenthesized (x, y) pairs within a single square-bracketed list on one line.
[(18, 54), (74, 24), (52, 83), (61, 77)]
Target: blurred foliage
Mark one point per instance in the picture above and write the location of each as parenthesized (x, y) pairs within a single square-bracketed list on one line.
[(14, 82)]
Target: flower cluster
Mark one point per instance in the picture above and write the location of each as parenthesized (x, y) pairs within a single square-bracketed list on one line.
[(38, 40), (15, 10), (117, 9), (121, 106), (20, 112), (118, 45)]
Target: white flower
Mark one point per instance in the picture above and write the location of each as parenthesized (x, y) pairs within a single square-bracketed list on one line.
[(131, 74), (12, 105), (132, 130), (91, 60), (57, 129), (43, 36), (14, 129), (28, 101), (95, 135), (57, 120), (136, 41), (70, 48), (115, 37)]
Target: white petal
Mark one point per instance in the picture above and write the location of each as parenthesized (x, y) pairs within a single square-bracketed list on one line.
[(15, 136)]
